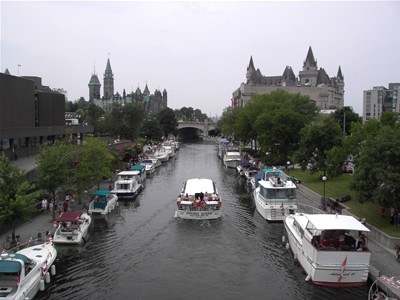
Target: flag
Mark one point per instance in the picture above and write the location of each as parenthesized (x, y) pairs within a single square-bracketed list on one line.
[(342, 269)]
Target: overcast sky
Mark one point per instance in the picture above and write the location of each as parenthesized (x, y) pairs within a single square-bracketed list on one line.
[(199, 51)]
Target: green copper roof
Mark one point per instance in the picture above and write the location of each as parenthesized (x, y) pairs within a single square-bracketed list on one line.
[(7, 72), (94, 80)]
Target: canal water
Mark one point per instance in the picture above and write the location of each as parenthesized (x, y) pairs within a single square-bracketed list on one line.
[(142, 252)]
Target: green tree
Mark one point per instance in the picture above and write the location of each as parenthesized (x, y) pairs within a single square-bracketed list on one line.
[(54, 168), (315, 139), (168, 122), (93, 114), (151, 129), (132, 120), (227, 121), (377, 176), (93, 162), (15, 202), (346, 117)]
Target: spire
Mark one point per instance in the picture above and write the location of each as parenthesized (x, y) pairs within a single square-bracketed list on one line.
[(108, 67), (251, 64), (339, 74), (310, 61), (146, 90), (7, 72)]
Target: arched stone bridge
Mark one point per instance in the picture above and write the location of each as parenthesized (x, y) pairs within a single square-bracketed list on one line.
[(204, 127)]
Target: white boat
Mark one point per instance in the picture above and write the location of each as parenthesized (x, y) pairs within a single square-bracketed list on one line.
[(72, 228), (254, 181), (326, 248), (24, 273), (149, 166), (141, 172), (275, 198), (161, 154), (169, 150), (127, 185), (198, 200), (250, 173), (156, 161), (232, 158), (243, 167), (103, 202)]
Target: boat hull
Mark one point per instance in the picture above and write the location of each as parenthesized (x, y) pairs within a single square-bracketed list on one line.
[(74, 237), (198, 215), (329, 268), (231, 163), (273, 212)]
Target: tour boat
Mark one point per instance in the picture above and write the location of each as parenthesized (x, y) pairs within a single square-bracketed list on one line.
[(198, 200), (149, 166), (127, 185), (327, 249), (170, 150), (275, 198), (232, 158), (24, 273), (72, 228), (103, 202)]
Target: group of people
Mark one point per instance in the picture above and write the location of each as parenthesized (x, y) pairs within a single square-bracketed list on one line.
[(46, 205)]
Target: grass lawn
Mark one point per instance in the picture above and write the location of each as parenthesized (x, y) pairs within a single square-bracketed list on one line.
[(339, 187)]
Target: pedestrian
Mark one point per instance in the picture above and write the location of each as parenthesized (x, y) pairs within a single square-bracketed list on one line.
[(44, 205), (65, 206), (51, 205), (392, 215), (382, 211), (396, 217)]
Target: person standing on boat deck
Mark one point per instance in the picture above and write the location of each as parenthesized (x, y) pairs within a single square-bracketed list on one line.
[(361, 242)]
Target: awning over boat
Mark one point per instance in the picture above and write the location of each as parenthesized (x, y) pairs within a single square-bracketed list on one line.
[(101, 193), (334, 222), (224, 141), (197, 185), (70, 216), (12, 266)]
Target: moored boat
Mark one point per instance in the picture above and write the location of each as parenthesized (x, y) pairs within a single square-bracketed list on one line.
[(149, 166), (103, 202), (162, 155), (331, 248), (141, 172), (72, 228), (275, 198), (232, 158), (127, 185), (24, 273), (198, 200)]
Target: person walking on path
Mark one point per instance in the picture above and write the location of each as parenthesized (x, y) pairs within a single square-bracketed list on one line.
[(44, 205)]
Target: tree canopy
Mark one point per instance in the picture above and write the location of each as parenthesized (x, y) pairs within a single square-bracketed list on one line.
[(15, 202)]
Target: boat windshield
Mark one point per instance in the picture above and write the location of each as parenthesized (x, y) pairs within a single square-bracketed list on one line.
[(280, 194), (123, 186)]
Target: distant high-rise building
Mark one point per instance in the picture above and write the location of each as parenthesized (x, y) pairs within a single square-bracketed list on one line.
[(380, 99), (327, 92)]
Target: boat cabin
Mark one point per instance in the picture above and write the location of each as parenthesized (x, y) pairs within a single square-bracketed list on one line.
[(332, 232), (14, 268), (101, 198), (276, 189), (274, 172)]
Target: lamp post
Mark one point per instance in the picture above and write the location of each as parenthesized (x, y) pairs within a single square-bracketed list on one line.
[(288, 165), (324, 178)]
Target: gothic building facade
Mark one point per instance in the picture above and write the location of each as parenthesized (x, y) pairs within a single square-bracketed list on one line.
[(327, 92), (151, 103)]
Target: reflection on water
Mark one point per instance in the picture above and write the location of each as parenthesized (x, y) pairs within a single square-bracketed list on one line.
[(142, 252)]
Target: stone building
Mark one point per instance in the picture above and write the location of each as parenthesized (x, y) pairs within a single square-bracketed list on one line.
[(327, 92), (151, 103), (380, 99)]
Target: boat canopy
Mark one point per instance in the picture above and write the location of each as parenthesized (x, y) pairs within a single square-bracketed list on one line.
[(103, 193), (197, 185), (224, 141), (12, 266), (70, 216), (137, 168), (246, 164), (332, 222)]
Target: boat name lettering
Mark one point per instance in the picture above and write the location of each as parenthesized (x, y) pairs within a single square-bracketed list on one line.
[(344, 274)]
